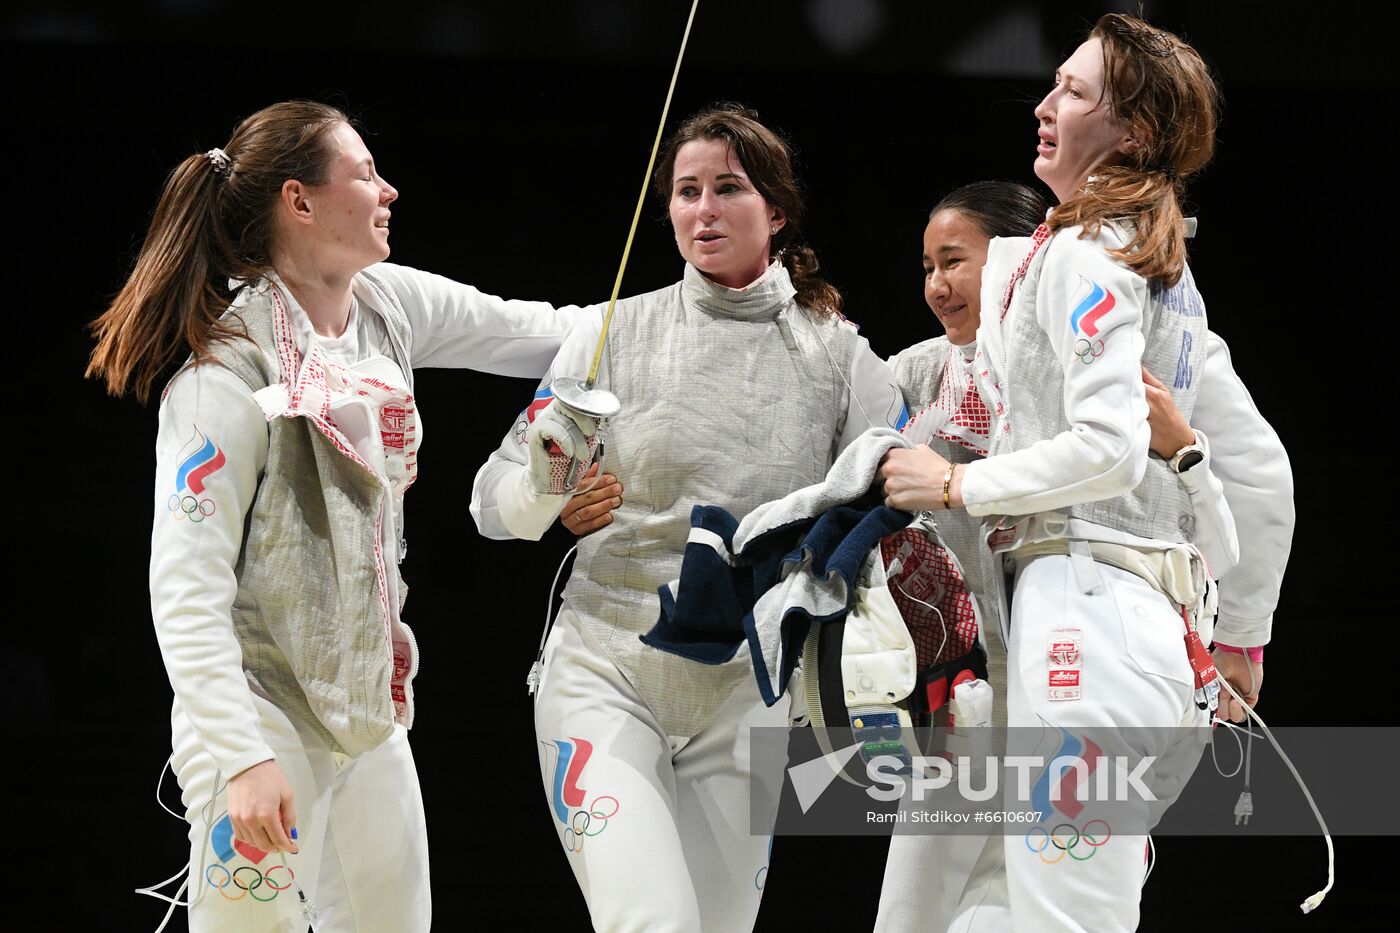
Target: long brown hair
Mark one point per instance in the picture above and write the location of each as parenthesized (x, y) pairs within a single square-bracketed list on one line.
[(767, 160), (1162, 93), (213, 222)]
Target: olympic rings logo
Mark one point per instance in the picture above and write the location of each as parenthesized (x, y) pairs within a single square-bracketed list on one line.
[(1088, 352), (196, 510), (588, 822), (1056, 844), (247, 884), (760, 877)]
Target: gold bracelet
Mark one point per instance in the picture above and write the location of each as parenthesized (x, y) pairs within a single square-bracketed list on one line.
[(947, 481)]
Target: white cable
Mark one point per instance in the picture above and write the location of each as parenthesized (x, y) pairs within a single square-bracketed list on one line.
[(161, 780), (173, 901), (308, 909), (1311, 903), (154, 889), (1244, 806), (850, 392), (1216, 761), (1152, 859), (532, 680), (941, 620)]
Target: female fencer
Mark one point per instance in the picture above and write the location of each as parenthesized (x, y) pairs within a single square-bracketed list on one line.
[(926, 874), (286, 443), (738, 385), (1101, 291)]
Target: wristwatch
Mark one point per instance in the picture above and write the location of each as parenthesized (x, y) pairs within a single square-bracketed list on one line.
[(1187, 457)]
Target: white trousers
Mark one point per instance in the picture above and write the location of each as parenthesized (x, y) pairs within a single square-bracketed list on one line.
[(363, 859), (1135, 673), (655, 827)]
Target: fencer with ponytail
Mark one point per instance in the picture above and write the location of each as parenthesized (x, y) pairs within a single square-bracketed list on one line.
[(213, 223)]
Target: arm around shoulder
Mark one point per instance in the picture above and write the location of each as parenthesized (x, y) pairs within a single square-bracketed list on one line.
[(459, 326)]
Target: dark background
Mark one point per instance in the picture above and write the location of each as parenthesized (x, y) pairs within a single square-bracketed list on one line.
[(517, 134)]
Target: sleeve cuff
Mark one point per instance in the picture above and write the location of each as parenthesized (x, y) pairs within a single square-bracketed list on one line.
[(233, 767), (975, 499), (1242, 633), (1193, 478), (1255, 653), (526, 513)]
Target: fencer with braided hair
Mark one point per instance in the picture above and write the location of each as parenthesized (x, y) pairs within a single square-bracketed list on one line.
[(738, 384)]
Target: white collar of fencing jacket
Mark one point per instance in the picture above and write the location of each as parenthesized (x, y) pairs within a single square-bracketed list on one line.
[(765, 296)]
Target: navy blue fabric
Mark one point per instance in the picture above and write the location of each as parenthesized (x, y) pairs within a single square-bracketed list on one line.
[(712, 613)]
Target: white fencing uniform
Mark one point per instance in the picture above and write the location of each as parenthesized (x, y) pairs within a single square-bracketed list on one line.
[(1251, 464), (1061, 371), (241, 696), (925, 874), (730, 397)]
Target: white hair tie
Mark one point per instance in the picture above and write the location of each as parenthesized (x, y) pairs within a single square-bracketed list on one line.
[(221, 161)]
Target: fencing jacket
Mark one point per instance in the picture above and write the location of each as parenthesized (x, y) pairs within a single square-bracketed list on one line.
[(733, 397), (1245, 457), (1064, 376), (274, 546)]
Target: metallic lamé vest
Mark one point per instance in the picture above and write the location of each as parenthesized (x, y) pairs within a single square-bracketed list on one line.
[(308, 614), (729, 398)]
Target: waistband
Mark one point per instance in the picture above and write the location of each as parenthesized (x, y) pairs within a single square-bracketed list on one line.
[(1177, 573)]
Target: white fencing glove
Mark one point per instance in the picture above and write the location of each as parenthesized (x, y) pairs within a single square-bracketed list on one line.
[(562, 445)]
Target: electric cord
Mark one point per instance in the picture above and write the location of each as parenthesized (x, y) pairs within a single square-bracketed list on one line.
[(1312, 902), (532, 679), (305, 905), (941, 621), (183, 873)]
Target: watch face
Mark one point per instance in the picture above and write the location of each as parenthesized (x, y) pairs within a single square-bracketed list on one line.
[(1188, 460)]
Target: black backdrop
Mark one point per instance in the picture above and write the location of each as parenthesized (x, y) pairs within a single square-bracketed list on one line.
[(516, 135)]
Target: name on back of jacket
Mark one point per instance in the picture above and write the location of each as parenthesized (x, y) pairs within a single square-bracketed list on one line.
[(1182, 298)]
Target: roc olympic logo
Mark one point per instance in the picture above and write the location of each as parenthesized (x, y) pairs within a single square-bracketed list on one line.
[(566, 795), (242, 881), (1084, 320), (1085, 317), (1065, 838), (199, 459), (537, 404)]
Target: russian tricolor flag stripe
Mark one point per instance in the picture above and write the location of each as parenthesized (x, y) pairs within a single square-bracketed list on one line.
[(1086, 315), (196, 468), (542, 398), (573, 755)]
